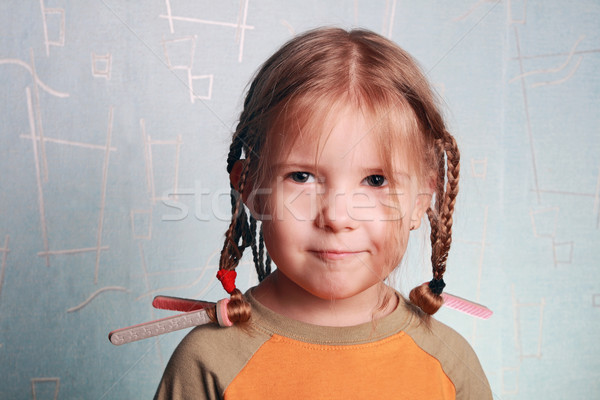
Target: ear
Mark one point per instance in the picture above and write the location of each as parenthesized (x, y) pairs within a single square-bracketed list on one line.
[(236, 174), (422, 203), (235, 177)]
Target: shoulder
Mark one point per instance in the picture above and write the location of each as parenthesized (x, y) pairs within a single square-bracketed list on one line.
[(455, 355), (207, 360)]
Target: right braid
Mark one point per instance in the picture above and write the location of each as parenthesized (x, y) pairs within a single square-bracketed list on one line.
[(238, 309), (428, 295), (451, 191), (434, 214), (255, 251), (243, 229)]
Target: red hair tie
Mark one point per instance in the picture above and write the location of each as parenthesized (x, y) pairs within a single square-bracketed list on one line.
[(227, 279)]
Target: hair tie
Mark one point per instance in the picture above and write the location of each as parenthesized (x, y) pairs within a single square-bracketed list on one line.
[(222, 316), (227, 279), (437, 286)]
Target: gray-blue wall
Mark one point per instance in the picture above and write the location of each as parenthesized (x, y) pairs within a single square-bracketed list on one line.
[(115, 123)]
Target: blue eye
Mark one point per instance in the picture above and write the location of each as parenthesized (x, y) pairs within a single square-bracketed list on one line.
[(376, 180), (301, 177)]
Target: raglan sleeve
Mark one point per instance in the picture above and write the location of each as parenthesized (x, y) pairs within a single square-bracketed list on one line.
[(472, 384), (187, 376), (463, 366), (456, 357), (207, 361)]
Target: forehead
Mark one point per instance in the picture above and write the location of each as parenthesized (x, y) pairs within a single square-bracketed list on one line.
[(341, 130)]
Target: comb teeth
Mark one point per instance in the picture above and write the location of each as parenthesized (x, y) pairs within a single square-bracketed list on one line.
[(158, 327), (179, 304), (466, 306)]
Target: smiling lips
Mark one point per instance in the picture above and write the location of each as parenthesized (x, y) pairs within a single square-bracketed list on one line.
[(334, 254)]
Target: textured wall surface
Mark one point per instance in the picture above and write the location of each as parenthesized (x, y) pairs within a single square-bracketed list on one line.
[(115, 123)]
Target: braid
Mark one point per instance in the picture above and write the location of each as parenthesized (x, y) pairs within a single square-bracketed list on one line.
[(242, 231), (232, 253), (268, 264), (256, 257), (452, 174), (434, 214), (267, 267), (428, 295), (238, 309), (235, 151)]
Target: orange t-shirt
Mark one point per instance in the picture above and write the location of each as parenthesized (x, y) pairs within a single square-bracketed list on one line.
[(397, 357)]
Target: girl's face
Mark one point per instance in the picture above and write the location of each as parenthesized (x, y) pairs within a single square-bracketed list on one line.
[(332, 223)]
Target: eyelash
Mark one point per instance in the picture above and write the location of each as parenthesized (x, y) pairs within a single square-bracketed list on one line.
[(300, 176), (381, 181), (371, 180)]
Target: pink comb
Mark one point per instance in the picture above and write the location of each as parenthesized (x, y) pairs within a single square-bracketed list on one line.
[(466, 306), (158, 327), (179, 304), (195, 315)]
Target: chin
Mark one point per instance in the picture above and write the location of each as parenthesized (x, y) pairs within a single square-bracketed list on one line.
[(338, 292)]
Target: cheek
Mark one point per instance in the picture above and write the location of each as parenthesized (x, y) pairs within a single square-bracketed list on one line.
[(292, 203), (388, 207), (394, 240)]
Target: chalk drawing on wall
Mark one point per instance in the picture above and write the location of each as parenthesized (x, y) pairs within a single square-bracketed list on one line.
[(529, 324), (240, 25), (53, 20), (517, 12), (94, 295), (38, 83), (544, 222), (479, 168), (510, 380), (73, 143), (562, 252), (556, 69), (4, 250), (107, 148), (200, 84), (179, 55), (527, 116), (141, 224), (35, 114), (101, 65), (564, 77), (38, 173), (179, 52), (291, 29), (39, 385), (148, 158), (595, 195)]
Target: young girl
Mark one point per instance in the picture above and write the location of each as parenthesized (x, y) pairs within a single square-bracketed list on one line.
[(339, 152)]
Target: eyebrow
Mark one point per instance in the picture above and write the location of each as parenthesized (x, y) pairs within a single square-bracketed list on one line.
[(381, 171), (310, 166), (294, 165)]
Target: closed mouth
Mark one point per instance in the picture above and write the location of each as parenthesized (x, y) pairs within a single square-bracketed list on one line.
[(335, 254)]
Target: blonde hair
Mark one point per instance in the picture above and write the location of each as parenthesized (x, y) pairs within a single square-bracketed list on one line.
[(314, 72)]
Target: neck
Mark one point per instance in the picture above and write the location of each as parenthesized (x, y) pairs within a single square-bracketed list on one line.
[(284, 297)]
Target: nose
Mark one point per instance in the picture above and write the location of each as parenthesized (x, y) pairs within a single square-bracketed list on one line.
[(333, 212)]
